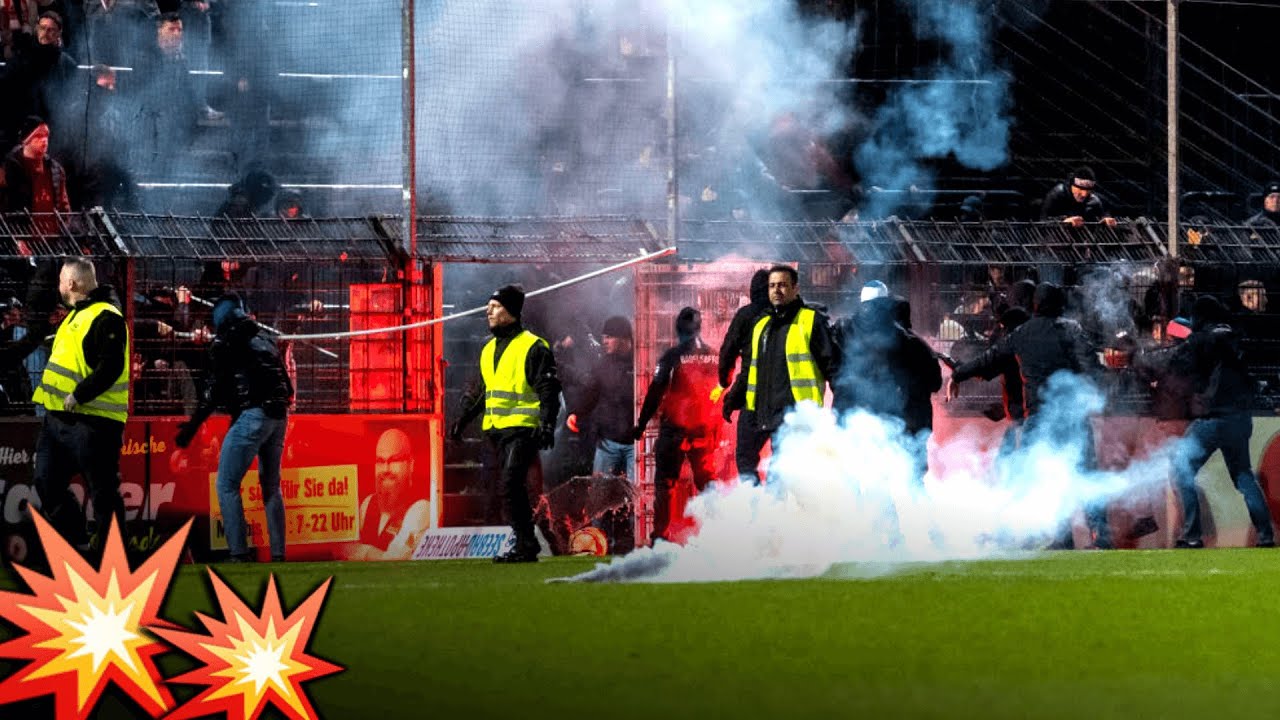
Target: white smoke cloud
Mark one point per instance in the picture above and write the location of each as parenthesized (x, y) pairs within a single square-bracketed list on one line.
[(835, 489)]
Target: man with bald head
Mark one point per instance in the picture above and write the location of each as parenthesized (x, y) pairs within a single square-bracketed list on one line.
[(85, 392), (394, 517)]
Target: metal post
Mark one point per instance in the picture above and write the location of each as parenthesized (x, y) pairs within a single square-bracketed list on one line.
[(408, 130), (409, 154), (673, 142), (1172, 56)]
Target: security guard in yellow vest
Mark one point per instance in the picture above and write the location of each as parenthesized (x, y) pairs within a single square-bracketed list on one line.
[(793, 355), (520, 397), (85, 389)]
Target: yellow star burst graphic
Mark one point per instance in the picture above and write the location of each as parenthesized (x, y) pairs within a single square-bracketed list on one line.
[(85, 627), (252, 660)]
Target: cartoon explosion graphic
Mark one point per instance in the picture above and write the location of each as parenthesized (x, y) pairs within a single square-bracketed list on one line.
[(250, 660), (84, 628)]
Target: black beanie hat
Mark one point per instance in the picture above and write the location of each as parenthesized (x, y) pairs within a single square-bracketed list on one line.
[(29, 125), (618, 327), (510, 297)]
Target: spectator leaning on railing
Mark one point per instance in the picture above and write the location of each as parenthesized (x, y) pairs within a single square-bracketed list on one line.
[(1075, 201)]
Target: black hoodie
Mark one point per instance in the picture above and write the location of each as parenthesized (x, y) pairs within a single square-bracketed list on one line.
[(1041, 346), (737, 339)]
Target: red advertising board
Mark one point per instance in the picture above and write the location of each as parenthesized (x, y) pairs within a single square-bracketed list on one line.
[(363, 486)]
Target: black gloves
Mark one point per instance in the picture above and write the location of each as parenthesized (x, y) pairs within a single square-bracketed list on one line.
[(186, 433), (455, 432), (546, 436), (637, 432), (726, 412)]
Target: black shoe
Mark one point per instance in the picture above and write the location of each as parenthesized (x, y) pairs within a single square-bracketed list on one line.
[(516, 555), (241, 559), (1189, 544), (277, 558), (1143, 527), (1266, 544)]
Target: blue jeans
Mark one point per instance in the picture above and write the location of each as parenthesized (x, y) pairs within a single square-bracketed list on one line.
[(253, 434), (1229, 434), (614, 458)]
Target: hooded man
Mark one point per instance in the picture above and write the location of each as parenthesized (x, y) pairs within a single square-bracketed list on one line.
[(1046, 344), (689, 426), (519, 392), (249, 382), (1210, 365), (85, 391)]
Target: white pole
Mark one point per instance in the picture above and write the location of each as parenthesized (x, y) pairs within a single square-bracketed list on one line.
[(475, 311)]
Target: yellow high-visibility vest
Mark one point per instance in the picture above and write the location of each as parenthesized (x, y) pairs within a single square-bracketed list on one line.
[(806, 378), (509, 400), (67, 368)]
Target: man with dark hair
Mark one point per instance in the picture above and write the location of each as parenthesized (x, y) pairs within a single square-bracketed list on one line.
[(1221, 405), (85, 390), (249, 381), (793, 354), (519, 393), (608, 402), (1076, 201), (39, 80), (689, 426), (1043, 346)]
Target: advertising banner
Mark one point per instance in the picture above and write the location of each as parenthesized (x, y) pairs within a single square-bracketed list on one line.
[(463, 542), (354, 486)]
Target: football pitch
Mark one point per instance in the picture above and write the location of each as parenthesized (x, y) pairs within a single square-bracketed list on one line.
[(1153, 634)]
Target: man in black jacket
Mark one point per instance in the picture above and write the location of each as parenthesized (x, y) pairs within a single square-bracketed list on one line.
[(1076, 201), (793, 355), (251, 384), (737, 344), (680, 394), (608, 402), (1044, 346), (519, 393), (85, 390), (889, 371), (1212, 367)]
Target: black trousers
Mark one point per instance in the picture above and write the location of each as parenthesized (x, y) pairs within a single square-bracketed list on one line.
[(751, 440), (669, 452), (71, 443), (516, 450)]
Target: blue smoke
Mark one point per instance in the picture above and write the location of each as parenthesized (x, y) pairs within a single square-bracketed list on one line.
[(958, 109)]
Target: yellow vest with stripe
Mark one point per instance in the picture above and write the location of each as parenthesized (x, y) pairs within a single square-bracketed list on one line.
[(67, 368), (806, 378), (509, 400)]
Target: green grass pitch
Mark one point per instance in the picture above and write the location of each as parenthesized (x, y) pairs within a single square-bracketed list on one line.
[(1143, 634)]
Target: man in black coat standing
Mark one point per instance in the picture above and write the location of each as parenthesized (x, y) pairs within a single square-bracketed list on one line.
[(519, 394), (1210, 363), (1043, 346)]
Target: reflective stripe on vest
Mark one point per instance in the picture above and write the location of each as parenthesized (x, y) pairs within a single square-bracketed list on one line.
[(806, 379), (509, 399), (67, 368)]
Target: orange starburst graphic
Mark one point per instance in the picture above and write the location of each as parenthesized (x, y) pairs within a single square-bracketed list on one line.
[(251, 660), (85, 627)]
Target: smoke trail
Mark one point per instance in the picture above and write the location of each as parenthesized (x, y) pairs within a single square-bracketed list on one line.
[(836, 487), (958, 109)]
